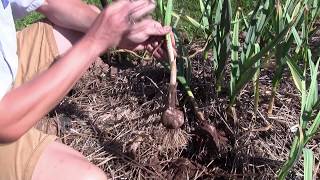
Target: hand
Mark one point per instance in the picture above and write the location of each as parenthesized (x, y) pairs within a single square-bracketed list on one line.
[(157, 46), (114, 23), (147, 35)]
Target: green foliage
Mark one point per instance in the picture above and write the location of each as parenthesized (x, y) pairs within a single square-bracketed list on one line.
[(310, 115), (309, 108), (285, 13), (235, 72), (33, 17), (249, 63), (308, 163), (273, 28)]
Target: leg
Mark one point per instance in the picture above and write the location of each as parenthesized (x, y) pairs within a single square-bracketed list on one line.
[(38, 46), (65, 38), (58, 161)]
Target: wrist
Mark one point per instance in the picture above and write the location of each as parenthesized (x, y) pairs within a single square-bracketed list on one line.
[(92, 48)]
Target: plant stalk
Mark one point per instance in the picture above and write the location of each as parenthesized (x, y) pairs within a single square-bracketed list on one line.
[(173, 73), (172, 59)]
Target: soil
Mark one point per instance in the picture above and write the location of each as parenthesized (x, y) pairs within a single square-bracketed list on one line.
[(113, 116)]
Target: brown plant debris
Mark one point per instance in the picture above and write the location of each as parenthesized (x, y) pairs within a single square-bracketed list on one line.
[(116, 123)]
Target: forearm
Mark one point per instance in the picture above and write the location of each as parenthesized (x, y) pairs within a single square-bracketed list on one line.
[(22, 107), (71, 14)]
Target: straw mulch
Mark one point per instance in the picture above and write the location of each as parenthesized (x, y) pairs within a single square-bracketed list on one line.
[(113, 113)]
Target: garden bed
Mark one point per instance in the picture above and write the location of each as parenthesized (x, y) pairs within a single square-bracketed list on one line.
[(113, 117)]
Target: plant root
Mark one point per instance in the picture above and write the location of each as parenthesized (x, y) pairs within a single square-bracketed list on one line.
[(175, 139)]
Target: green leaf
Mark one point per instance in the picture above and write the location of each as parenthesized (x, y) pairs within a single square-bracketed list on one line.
[(297, 39), (295, 153), (249, 71), (256, 81), (168, 15), (258, 20), (312, 96), (205, 10), (221, 36), (314, 127), (160, 10), (235, 72), (189, 20), (296, 73), (248, 63), (308, 164), (243, 80), (185, 85)]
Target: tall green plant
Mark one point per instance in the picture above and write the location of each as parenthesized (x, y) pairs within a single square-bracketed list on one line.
[(285, 15), (249, 56), (220, 44), (215, 23), (309, 113), (183, 63), (264, 18), (309, 96)]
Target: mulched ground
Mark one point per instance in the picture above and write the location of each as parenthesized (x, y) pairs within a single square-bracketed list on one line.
[(113, 117)]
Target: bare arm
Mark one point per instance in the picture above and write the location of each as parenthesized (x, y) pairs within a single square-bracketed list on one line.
[(77, 15), (71, 14), (22, 107)]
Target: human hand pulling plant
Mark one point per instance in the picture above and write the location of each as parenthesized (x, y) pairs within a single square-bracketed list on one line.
[(125, 24)]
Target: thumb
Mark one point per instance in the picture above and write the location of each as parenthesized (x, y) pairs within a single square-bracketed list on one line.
[(158, 30)]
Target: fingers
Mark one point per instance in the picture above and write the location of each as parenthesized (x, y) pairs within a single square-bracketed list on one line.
[(140, 8), (154, 53), (141, 27), (159, 48), (156, 47), (142, 11), (151, 28), (156, 29)]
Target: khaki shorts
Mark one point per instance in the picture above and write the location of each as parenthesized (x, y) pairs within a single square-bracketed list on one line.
[(37, 50)]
